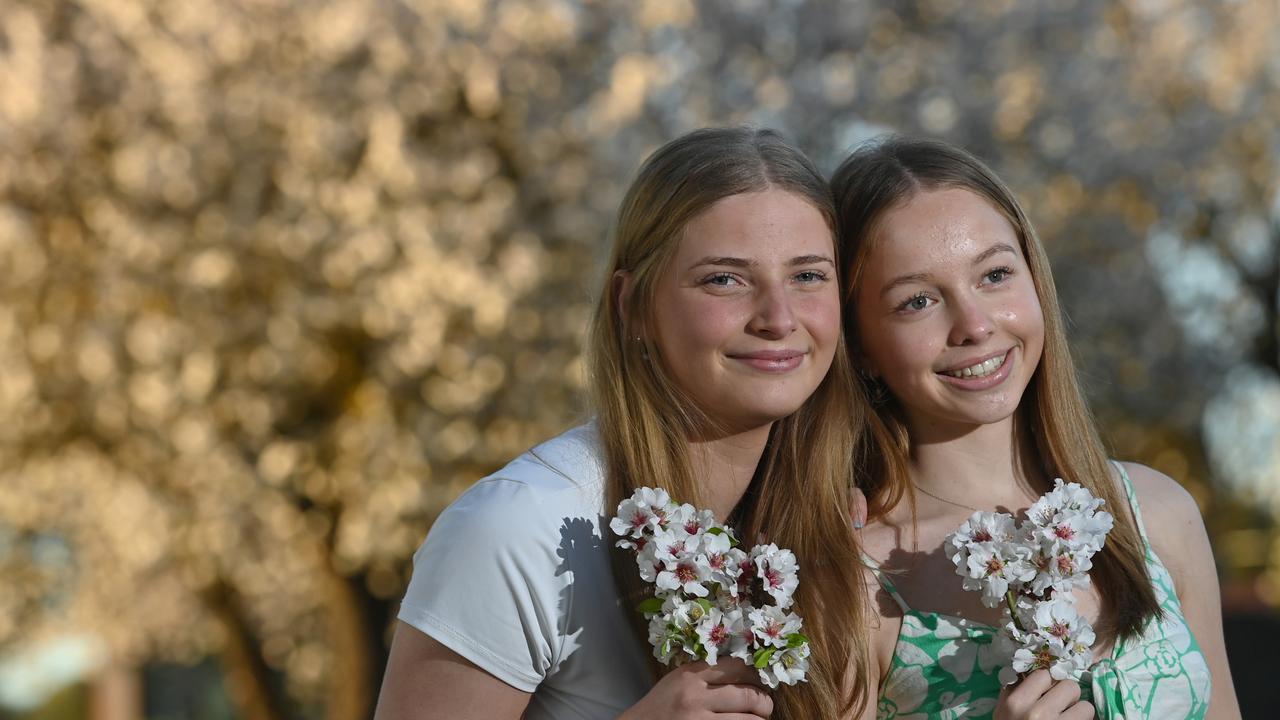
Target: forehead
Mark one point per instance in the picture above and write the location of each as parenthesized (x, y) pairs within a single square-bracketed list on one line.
[(772, 222), (937, 227)]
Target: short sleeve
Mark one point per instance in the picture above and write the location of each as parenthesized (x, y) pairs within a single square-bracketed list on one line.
[(487, 583)]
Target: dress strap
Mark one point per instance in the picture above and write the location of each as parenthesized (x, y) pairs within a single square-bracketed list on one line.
[(883, 578), (1133, 501)]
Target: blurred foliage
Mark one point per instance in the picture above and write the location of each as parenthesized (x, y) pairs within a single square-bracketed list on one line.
[(279, 279)]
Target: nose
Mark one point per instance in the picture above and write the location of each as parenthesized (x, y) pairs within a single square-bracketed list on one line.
[(971, 323), (774, 317)]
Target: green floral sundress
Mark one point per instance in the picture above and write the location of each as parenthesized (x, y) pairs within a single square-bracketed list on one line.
[(945, 666)]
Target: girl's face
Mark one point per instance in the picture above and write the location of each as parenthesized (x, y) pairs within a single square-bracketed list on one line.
[(747, 314), (947, 313)]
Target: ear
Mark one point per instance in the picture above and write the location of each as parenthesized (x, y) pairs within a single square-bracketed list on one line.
[(623, 284)]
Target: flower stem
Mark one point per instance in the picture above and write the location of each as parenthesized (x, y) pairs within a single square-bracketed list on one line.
[(1013, 609)]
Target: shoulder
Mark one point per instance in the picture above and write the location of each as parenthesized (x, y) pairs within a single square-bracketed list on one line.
[(555, 486), (574, 458), (565, 472), (884, 617), (1173, 522), (1162, 501)]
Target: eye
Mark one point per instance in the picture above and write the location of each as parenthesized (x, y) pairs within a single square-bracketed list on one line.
[(916, 303), (811, 276), (997, 275), (721, 280)]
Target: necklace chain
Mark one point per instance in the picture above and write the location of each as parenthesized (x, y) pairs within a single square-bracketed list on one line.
[(949, 502)]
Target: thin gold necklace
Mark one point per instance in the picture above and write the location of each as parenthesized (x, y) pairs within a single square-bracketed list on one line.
[(949, 502)]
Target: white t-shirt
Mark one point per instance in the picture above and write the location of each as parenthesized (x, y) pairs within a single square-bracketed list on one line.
[(515, 577)]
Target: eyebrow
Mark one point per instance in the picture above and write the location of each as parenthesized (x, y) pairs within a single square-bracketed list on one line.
[(920, 277), (744, 263), (994, 250)]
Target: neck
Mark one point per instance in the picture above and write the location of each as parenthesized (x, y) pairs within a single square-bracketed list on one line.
[(725, 465), (983, 466)]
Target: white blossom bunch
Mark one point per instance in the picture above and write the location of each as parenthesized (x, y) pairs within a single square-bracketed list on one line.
[(711, 599), (1032, 568)]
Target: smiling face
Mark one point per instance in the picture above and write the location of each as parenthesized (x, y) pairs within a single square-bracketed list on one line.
[(746, 316), (947, 312)]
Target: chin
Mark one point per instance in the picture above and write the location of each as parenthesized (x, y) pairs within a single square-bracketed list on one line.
[(989, 416), (761, 414)]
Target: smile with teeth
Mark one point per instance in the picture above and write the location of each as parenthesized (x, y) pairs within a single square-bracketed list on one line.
[(982, 369)]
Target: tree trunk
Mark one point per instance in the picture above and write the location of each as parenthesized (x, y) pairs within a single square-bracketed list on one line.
[(116, 694), (247, 675), (351, 686)]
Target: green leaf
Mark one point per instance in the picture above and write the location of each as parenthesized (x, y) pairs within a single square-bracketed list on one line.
[(652, 606), (705, 603), (763, 656), (795, 640)]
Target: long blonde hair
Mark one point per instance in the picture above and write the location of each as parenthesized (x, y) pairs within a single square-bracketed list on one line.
[(889, 172), (799, 496)]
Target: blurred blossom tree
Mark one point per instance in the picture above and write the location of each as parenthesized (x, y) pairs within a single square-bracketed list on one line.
[(278, 280)]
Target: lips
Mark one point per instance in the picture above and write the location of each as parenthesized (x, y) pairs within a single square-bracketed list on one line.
[(770, 360), (977, 368), (979, 373)]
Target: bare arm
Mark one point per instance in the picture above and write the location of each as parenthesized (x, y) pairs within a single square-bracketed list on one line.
[(1177, 532), (426, 680)]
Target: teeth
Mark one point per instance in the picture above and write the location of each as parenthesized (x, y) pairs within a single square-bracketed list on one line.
[(982, 369)]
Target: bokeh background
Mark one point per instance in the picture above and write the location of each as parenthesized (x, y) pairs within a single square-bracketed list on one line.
[(280, 278)]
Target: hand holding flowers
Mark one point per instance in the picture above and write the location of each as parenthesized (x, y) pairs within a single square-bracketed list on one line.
[(711, 598), (1032, 568)]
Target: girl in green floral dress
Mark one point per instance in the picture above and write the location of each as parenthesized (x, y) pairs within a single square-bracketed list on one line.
[(952, 316)]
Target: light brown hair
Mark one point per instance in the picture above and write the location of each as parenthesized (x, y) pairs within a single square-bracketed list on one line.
[(799, 496), (888, 172)]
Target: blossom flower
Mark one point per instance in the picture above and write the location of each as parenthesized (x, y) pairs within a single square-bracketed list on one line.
[(712, 598), (992, 567), (1061, 572), (685, 574), (983, 526), (771, 625), (1032, 568), (722, 560), (643, 512), (667, 641), (788, 665), (778, 572), (722, 633)]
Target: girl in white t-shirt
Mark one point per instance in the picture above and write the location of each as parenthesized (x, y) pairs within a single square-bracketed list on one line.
[(718, 372)]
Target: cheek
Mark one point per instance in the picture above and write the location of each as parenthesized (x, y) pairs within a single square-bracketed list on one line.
[(691, 326), (893, 350), (1028, 318), (822, 318)]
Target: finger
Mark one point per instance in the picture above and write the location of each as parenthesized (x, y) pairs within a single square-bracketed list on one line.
[(729, 671), (1027, 691), (859, 508), (1013, 706), (1082, 710), (1035, 684), (747, 699), (1061, 696)]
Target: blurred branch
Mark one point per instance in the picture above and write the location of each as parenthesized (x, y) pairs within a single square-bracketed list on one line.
[(247, 674)]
